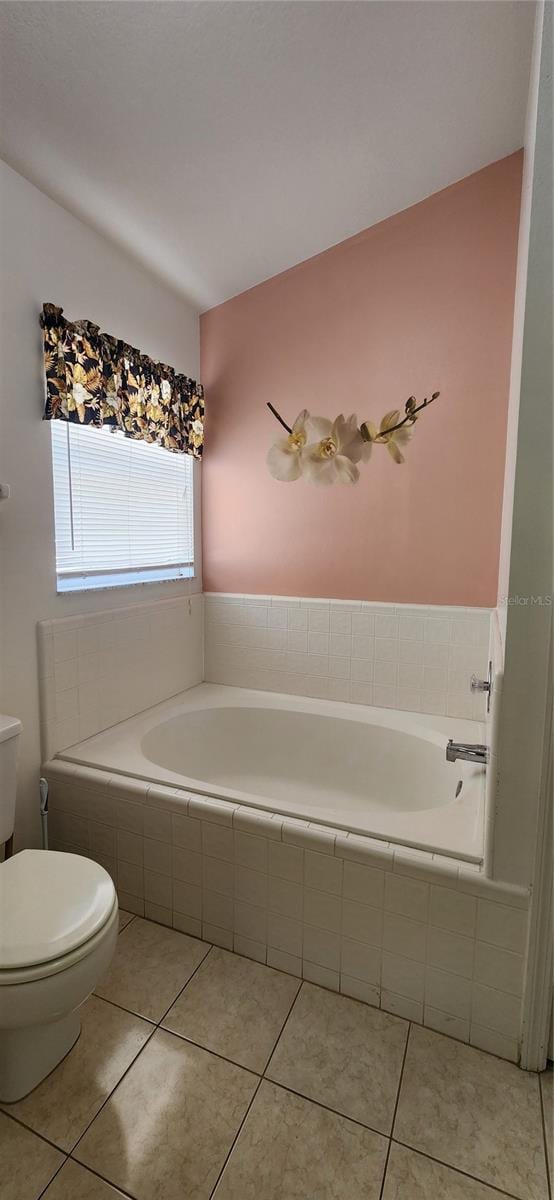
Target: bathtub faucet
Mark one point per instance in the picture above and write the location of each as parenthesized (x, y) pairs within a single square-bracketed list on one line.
[(475, 752)]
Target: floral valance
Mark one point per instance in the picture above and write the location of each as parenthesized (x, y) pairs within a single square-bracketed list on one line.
[(95, 379)]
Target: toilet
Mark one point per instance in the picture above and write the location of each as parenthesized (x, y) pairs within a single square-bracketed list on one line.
[(58, 930)]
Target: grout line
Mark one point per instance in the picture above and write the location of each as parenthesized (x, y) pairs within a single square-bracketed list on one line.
[(155, 1027), (285, 1022), (208, 1050), (398, 1090), (30, 1129), (185, 985), (285, 1087), (104, 1178), (236, 1137), (110, 1093), (260, 1076), (261, 1079), (543, 1119), (55, 1175), (126, 926), (130, 1011), (282, 1030), (458, 1170)]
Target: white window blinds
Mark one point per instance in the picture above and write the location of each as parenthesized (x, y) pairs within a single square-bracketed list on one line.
[(123, 509)]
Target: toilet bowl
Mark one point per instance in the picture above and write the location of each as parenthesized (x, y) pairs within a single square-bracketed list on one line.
[(58, 930)]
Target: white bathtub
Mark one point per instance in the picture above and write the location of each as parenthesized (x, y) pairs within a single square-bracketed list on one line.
[(367, 770)]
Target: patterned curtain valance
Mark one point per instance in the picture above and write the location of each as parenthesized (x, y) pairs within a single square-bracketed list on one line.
[(95, 379)]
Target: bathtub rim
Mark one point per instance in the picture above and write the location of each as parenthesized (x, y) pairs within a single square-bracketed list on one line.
[(221, 695)]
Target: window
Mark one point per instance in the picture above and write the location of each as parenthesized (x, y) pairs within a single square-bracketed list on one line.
[(123, 509)]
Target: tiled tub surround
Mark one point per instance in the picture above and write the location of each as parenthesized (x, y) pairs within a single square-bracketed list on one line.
[(373, 771), (392, 656), (103, 667), (421, 936)]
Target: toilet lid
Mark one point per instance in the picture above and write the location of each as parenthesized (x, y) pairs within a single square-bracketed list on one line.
[(50, 903)]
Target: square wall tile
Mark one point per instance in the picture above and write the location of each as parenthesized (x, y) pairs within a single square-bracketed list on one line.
[(451, 952), (408, 897), (217, 841), (402, 1006), (251, 886), (496, 1010), (404, 976), (447, 1023), (287, 862), (285, 897), (362, 923), (251, 921), (364, 884), (358, 989), (186, 831), (404, 937), (284, 934), (251, 851), (322, 976), (323, 872), (322, 909), (359, 961), (447, 992), (218, 910), (322, 947), (502, 926), (453, 910), (498, 968)]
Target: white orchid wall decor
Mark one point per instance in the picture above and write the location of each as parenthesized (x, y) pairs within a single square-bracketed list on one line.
[(324, 451)]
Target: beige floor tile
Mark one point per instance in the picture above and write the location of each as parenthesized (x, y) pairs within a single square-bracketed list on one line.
[(74, 1182), (167, 1129), (342, 1053), (26, 1162), (234, 1006), (474, 1112), (124, 918), (150, 967), (65, 1102), (410, 1176), (290, 1148), (546, 1082)]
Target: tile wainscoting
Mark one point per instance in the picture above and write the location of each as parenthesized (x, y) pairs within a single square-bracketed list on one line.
[(393, 656), (419, 935), (103, 667)]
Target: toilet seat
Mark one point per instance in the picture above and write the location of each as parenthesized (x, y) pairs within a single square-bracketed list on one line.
[(53, 907)]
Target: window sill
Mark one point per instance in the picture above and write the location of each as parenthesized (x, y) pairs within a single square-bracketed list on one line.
[(68, 585)]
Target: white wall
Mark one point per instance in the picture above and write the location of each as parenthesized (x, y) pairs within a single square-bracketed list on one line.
[(526, 570), (46, 254), (517, 339)]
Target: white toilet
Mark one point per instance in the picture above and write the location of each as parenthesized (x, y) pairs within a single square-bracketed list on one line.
[(58, 930)]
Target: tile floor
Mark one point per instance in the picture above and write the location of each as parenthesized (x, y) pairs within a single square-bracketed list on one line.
[(201, 1074)]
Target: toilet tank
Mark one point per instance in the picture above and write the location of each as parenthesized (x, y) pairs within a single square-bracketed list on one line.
[(10, 728)]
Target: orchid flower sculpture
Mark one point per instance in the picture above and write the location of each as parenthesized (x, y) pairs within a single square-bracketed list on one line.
[(327, 452)]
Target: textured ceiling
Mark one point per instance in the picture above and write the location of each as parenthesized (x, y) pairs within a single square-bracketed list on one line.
[(221, 143)]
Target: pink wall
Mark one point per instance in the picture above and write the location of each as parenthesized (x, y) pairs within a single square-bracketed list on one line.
[(420, 302)]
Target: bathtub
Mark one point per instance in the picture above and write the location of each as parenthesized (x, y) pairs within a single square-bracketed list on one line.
[(372, 771)]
